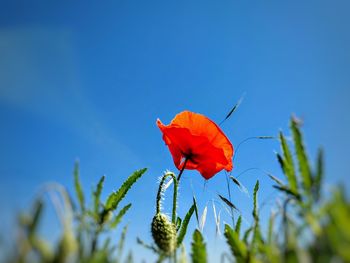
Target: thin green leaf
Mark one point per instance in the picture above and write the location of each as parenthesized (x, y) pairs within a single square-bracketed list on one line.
[(319, 174), (266, 137), (150, 247), (257, 238), (114, 199), (234, 108), (238, 224), (78, 188), (106, 243), (178, 223), (37, 212), (196, 209), (121, 242), (227, 202), (288, 164), (246, 234), (97, 195), (119, 216), (237, 247), (240, 185), (199, 253), (184, 225), (304, 166), (255, 202), (287, 191), (270, 228), (274, 178), (235, 181), (129, 258)]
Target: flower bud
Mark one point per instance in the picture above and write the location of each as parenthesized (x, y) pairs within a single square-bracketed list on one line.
[(164, 233)]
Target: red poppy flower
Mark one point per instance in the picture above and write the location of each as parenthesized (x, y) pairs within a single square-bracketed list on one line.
[(193, 137)]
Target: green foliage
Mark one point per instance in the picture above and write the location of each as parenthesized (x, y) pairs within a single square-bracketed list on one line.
[(196, 209), (238, 225), (199, 253), (119, 216), (255, 202), (168, 236), (121, 242), (97, 195), (287, 164), (78, 189), (318, 177), (304, 167), (184, 225), (308, 224), (227, 202), (81, 234), (34, 222), (114, 198), (309, 231), (237, 246)]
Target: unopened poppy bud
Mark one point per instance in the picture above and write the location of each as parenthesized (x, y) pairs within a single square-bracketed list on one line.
[(164, 233)]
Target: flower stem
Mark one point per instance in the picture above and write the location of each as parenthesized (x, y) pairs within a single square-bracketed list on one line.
[(229, 197), (159, 195), (182, 170)]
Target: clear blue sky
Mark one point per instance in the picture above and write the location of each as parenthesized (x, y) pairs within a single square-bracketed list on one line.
[(88, 81)]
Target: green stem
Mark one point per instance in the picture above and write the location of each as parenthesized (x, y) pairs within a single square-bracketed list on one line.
[(229, 197), (286, 230), (159, 195)]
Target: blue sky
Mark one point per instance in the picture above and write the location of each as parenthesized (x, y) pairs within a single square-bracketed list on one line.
[(88, 81)]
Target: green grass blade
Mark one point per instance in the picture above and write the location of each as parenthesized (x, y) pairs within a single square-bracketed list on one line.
[(288, 191), (257, 238), (238, 225), (199, 253), (274, 178), (78, 188), (178, 223), (288, 164), (184, 225), (97, 195), (317, 181), (37, 212), (237, 247), (129, 258), (121, 242), (235, 181), (196, 209), (304, 166), (114, 199), (270, 229), (227, 202), (255, 202), (119, 216), (233, 109), (150, 247), (246, 234)]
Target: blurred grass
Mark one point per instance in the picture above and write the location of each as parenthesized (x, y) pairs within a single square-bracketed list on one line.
[(309, 225)]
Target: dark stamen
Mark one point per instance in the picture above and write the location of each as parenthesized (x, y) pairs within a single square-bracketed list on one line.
[(182, 169)]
